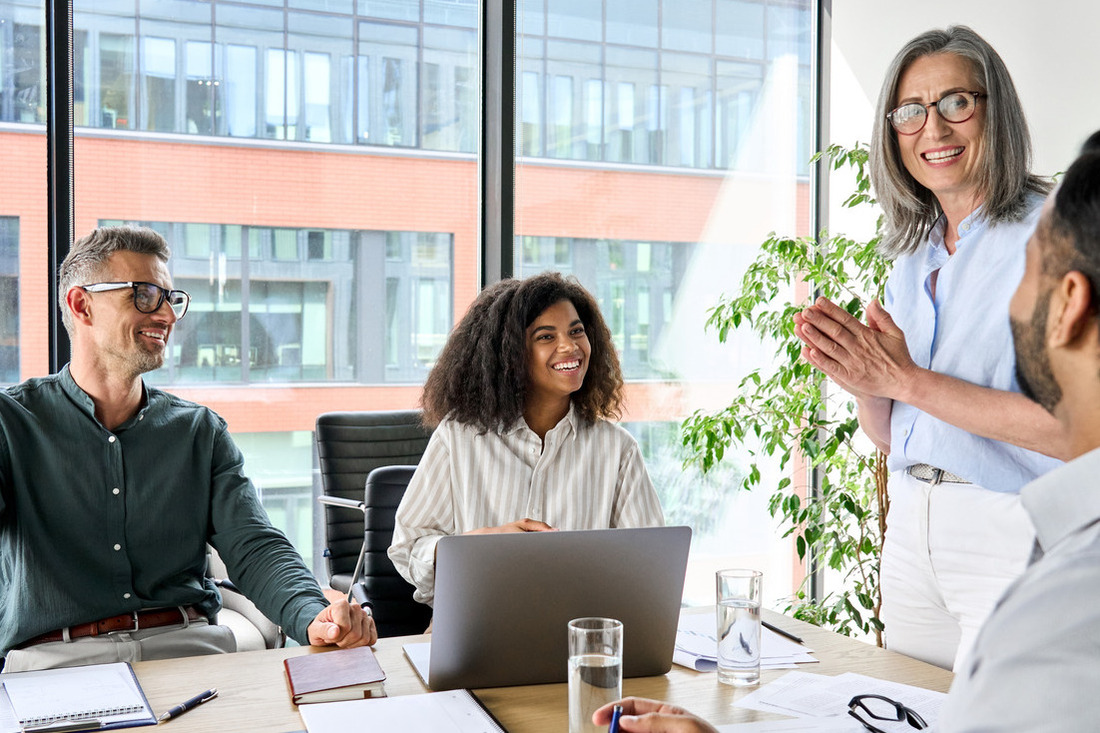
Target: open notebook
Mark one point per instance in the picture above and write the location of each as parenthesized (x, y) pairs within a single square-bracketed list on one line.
[(99, 695)]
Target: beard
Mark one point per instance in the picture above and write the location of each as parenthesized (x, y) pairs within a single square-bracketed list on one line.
[(147, 361), (1033, 371)]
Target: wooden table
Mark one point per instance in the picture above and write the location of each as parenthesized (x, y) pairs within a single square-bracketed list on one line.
[(253, 696)]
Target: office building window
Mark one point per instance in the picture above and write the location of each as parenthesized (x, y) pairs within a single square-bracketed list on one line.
[(9, 299), (290, 311)]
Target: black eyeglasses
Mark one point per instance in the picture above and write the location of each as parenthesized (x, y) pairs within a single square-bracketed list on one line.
[(909, 119), (148, 297), (883, 709)]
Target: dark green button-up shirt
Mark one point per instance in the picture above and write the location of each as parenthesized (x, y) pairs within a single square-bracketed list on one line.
[(95, 523)]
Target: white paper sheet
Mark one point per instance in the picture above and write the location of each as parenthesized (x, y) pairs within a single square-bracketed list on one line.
[(806, 695), (697, 646)]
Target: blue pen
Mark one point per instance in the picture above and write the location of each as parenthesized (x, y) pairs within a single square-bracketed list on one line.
[(615, 713)]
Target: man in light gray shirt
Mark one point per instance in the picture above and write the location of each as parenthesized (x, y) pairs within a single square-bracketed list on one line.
[(1036, 663)]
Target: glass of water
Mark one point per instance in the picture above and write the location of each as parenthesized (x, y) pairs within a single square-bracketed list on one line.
[(738, 607), (595, 669)]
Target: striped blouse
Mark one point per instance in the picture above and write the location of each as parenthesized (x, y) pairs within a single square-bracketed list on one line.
[(585, 477)]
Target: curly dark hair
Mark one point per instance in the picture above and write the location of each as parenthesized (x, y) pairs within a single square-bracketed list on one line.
[(480, 378)]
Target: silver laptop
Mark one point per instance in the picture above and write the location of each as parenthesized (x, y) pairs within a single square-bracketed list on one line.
[(502, 602)]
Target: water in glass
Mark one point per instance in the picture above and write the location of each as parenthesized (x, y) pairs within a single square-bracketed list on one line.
[(739, 642), (594, 681)]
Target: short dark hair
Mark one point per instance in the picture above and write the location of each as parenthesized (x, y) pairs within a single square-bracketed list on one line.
[(480, 378), (89, 255), (1074, 227)]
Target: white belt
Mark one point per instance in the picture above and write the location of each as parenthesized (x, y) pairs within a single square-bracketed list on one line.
[(933, 475)]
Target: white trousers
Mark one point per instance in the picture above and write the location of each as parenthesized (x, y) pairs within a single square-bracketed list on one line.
[(165, 642), (951, 550)]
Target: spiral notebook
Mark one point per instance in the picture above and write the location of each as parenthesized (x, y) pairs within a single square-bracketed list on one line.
[(95, 697)]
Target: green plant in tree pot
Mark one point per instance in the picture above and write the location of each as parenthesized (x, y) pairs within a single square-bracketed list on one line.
[(791, 412)]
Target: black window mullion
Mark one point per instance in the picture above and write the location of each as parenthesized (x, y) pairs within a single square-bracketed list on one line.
[(497, 179), (59, 162)]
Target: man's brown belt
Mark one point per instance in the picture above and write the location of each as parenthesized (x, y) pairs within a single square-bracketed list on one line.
[(126, 622)]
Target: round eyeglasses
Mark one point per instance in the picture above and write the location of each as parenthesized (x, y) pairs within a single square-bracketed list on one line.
[(909, 119), (148, 297)]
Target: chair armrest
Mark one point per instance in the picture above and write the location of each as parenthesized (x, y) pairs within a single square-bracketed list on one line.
[(359, 595), (341, 502)]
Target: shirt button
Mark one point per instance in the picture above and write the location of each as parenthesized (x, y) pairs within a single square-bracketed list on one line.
[(111, 439), (115, 491), (141, 416), (118, 547), (125, 595)]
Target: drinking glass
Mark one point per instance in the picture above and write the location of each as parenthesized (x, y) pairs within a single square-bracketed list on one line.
[(738, 610), (595, 669)]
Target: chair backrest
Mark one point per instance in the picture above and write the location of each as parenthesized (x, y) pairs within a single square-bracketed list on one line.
[(349, 446), (395, 611)]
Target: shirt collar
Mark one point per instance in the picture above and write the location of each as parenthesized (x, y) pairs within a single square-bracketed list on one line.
[(972, 224), (81, 399), (567, 425), (75, 393), (1064, 500)]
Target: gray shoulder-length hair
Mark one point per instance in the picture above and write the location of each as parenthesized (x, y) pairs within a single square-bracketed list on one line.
[(1004, 177)]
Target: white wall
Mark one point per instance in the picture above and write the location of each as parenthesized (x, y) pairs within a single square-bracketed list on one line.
[(1049, 46)]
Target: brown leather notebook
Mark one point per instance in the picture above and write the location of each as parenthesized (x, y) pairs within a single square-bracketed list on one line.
[(342, 674)]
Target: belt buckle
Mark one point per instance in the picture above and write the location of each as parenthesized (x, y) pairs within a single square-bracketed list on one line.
[(134, 614)]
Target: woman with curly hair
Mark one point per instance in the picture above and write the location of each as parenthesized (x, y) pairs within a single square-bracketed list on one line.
[(521, 399)]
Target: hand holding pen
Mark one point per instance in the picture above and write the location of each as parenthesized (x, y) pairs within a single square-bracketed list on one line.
[(183, 707), (640, 714)]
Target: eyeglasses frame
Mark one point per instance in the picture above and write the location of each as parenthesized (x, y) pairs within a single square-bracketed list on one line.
[(903, 712), (164, 293), (936, 104)]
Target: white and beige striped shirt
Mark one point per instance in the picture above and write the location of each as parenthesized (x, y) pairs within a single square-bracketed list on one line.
[(585, 477)]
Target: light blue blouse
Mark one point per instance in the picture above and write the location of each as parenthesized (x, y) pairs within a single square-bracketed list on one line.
[(963, 332)]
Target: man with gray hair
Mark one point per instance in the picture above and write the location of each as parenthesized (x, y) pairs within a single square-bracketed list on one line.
[(110, 491)]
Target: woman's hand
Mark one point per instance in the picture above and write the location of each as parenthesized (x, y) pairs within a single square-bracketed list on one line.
[(523, 525), (867, 361)]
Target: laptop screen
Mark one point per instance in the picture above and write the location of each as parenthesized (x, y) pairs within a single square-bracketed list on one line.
[(502, 601)]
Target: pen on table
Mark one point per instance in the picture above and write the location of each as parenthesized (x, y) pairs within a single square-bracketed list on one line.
[(183, 707), (615, 713), (781, 632)]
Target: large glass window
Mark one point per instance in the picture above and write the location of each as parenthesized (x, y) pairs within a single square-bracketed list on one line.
[(326, 270), (24, 300), (672, 111), (313, 165)]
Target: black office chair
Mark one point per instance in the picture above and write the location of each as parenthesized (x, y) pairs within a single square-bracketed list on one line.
[(375, 581), (349, 446)]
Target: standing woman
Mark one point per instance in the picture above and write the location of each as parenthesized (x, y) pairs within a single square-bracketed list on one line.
[(522, 396), (933, 373)]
